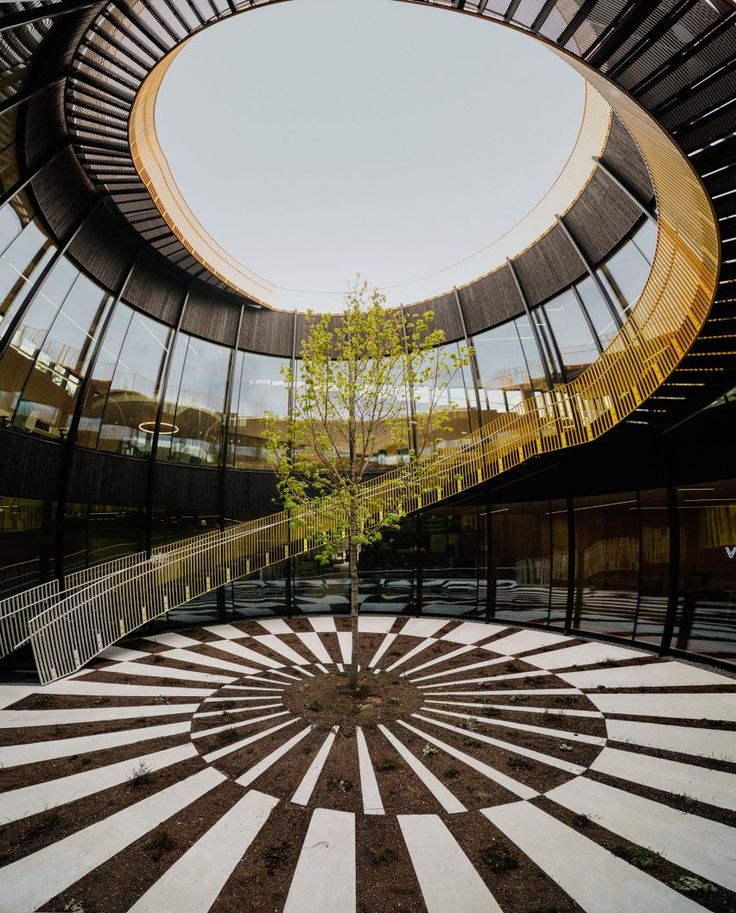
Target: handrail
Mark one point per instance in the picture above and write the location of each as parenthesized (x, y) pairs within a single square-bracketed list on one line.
[(671, 310)]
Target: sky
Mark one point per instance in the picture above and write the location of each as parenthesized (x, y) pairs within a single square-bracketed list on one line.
[(335, 137)]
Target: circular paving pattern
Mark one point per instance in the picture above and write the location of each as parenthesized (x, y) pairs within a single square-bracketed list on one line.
[(478, 768)]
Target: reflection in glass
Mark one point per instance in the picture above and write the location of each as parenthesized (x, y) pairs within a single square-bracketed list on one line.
[(655, 544), (607, 571), (20, 266), (624, 276), (131, 400), (258, 387), (504, 379), (574, 339), (520, 553), (706, 613), (193, 414)]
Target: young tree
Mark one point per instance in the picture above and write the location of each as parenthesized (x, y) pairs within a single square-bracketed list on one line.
[(370, 382)]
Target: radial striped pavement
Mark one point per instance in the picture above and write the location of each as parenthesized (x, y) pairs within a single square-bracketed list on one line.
[(480, 768)]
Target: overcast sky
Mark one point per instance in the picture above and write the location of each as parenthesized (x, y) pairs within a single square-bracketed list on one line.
[(319, 138)]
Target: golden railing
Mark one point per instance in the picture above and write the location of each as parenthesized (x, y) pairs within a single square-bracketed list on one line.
[(671, 310)]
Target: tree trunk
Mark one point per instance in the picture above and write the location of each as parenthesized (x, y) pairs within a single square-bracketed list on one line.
[(353, 564)]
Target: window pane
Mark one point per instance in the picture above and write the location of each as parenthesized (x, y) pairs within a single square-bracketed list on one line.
[(196, 432), (61, 358), (573, 336), (20, 266), (520, 547), (129, 415), (503, 374), (261, 389), (624, 275), (531, 352), (598, 311)]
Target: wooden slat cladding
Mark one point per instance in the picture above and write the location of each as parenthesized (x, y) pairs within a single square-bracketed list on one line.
[(267, 331), (105, 478), (154, 290), (548, 266), (211, 315), (491, 300), (597, 235), (103, 250), (66, 195), (622, 156), (29, 466), (190, 488)]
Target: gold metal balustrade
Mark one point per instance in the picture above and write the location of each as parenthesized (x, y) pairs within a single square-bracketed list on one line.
[(665, 323)]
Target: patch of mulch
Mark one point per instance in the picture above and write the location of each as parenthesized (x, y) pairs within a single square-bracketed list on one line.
[(44, 701), (384, 870)]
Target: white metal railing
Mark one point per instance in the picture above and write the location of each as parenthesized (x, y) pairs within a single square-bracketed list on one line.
[(17, 611)]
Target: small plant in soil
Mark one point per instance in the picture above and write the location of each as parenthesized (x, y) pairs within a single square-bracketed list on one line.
[(563, 746), (689, 884), (227, 717), (102, 700), (161, 844), (84, 760), (48, 823), (78, 906), (227, 735), (516, 763), (383, 856), (637, 855), (387, 763), (429, 750), (343, 786), (141, 776), (276, 855), (41, 698), (314, 706), (471, 743), (499, 858), (452, 773), (157, 658), (581, 820)]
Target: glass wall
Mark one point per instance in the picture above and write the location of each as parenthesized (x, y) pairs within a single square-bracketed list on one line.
[(504, 377), (706, 612), (258, 387), (193, 417), (520, 555), (27, 531), (578, 347)]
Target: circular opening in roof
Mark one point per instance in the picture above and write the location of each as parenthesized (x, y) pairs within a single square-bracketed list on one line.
[(321, 138)]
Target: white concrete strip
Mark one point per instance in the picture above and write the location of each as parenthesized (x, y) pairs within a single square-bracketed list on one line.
[(30, 800), (323, 625), (202, 659), (313, 643), (488, 678), (275, 625), (422, 645), (116, 654), (711, 786), (385, 644), (170, 639), (441, 793), (653, 675), (446, 877), (227, 632), (549, 760), (253, 656), (35, 752), (253, 773), (446, 657), (423, 627), (321, 668), (266, 697), (524, 727), (517, 691), (324, 880), (243, 743), (305, 789), (514, 709), (150, 671), (458, 670), (513, 786), (344, 641), (583, 655), (292, 678), (718, 744), (595, 879), (255, 688), (33, 880), (266, 681), (470, 632), (194, 881), (272, 642), (697, 844), (21, 719), (372, 804), (231, 710), (203, 733), (112, 689), (522, 641), (375, 624), (12, 694)]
